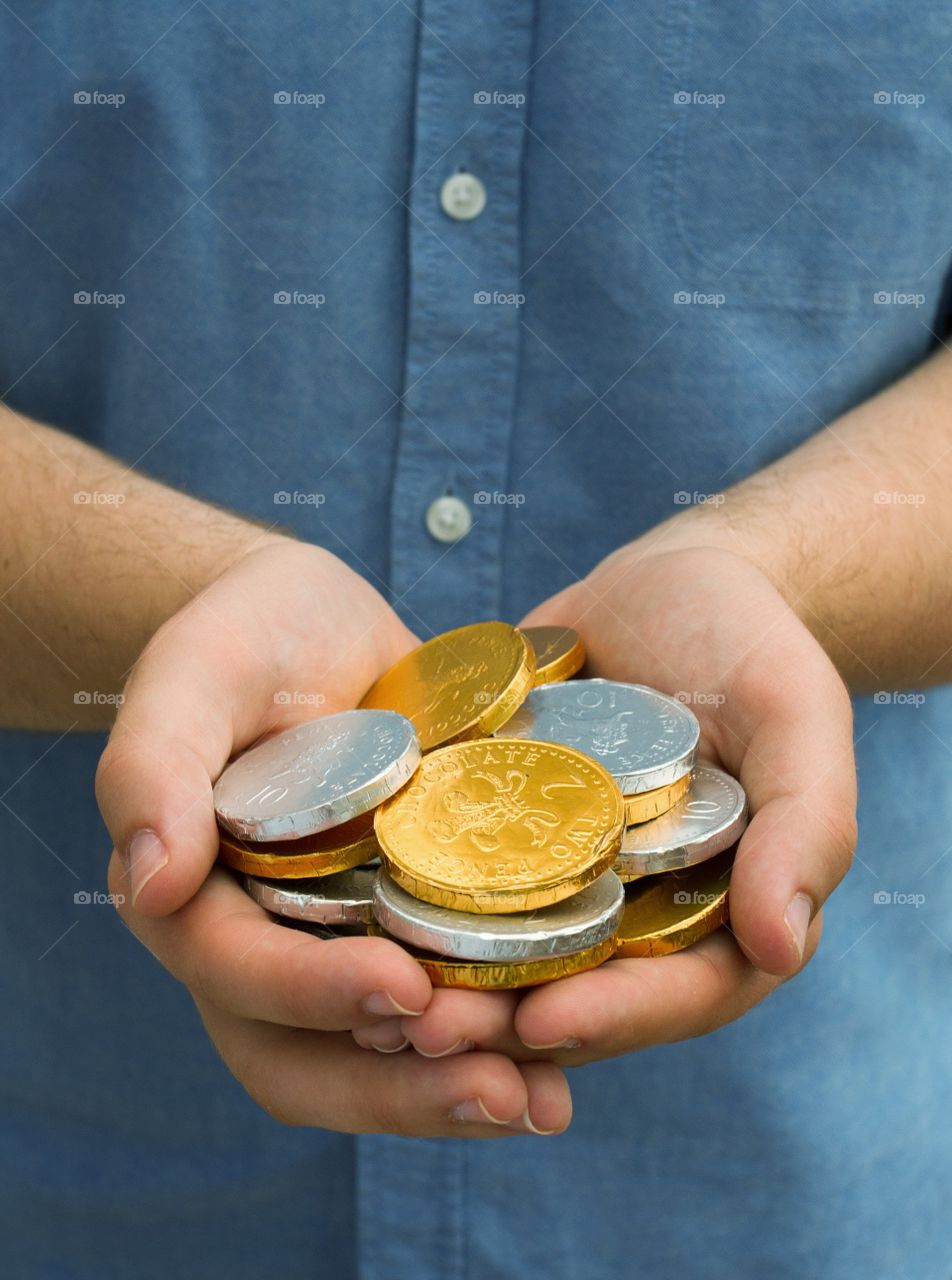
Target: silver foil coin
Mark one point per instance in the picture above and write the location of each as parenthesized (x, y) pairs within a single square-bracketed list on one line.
[(316, 775), (643, 738), (343, 898), (573, 925), (712, 815)]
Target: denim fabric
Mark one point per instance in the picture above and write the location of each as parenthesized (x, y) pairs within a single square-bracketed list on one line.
[(709, 229)]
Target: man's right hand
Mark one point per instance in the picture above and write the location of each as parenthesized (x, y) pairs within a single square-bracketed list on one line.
[(286, 633)]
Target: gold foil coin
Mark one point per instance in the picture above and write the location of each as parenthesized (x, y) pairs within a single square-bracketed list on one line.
[(335, 849), (459, 685), (666, 913), (644, 806), (559, 653), (501, 824), (484, 975)]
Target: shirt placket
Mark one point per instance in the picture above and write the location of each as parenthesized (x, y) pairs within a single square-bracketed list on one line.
[(463, 331), (451, 469)]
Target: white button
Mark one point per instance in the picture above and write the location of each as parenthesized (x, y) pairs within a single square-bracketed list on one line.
[(463, 197), (448, 519)]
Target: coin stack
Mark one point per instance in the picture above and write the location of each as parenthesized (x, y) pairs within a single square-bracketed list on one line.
[(507, 803), (296, 813), (678, 816)]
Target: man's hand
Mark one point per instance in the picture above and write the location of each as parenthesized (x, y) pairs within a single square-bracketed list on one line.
[(287, 633), (707, 626)]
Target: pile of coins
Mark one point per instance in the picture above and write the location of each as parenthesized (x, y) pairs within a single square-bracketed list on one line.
[(503, 819)]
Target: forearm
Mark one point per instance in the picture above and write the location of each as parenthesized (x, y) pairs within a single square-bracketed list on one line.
[(855, 529), (96, 557)]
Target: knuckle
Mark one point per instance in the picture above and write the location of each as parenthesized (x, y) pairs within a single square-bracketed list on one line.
[(260, 1078), (842, 836), (192, 968), (271, 1101), (385, 1113), (382, 1116), (115, 761), (300, 989)]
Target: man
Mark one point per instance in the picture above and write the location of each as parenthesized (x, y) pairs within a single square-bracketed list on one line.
[(354, 326)]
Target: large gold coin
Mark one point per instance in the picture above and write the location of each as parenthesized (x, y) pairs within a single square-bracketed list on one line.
[(476, 975), (462, 684), (501, 824), (669, 912), (335, 849), (559, 653), (652, 804)]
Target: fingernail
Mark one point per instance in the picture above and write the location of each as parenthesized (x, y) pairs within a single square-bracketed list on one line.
[(385, 1037), (474, 1111), (381, 1004), (461, 1046), (525, 1125), (570, 1043), (144, 855), (798, 916)]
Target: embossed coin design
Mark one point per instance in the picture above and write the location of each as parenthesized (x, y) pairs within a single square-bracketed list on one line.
[(500, 825), (337, 849), (668, 913), (646, 805), (483, 975), (316, 775), (712, 816), (344, 898), (643, 738), (458, 685), (577, 923), (559, 653)]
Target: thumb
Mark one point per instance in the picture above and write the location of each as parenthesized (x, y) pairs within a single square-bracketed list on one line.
[(174, 733)]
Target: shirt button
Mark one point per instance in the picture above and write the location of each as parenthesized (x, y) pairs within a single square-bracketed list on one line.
[(463, 197), (448, 519)]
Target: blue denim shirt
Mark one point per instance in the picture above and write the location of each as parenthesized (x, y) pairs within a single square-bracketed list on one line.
[(708, 229)]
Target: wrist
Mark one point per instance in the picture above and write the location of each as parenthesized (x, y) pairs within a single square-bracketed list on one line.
[(745, 527)]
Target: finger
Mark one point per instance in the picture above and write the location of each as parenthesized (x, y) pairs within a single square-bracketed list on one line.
[(557, 609), (184, 706), (228, 950), (327, 1081), (796, 765), (631, 1004), (457, 1021)]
